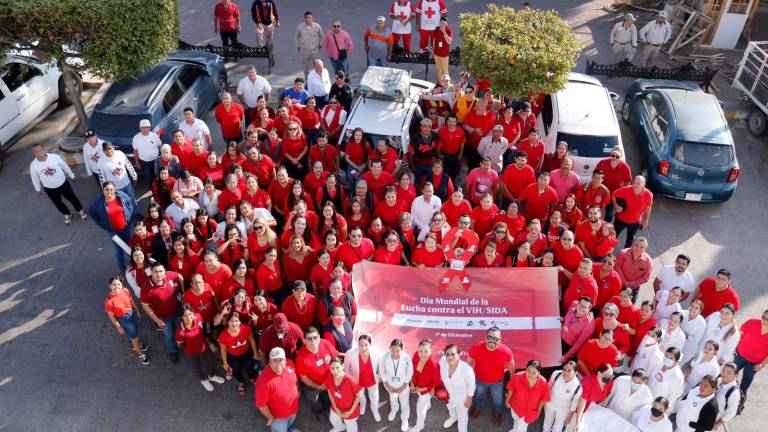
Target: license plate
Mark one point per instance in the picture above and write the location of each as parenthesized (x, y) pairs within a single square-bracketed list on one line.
[(693, 197)]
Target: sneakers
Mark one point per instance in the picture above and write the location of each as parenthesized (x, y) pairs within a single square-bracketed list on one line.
[(83, 215), (392, 415), (376, 416), (143, 348), (67, 219), (144, 359), (404, 426), (448, 423), (228, 374), (217, 379), (207, 385), (174, 357)]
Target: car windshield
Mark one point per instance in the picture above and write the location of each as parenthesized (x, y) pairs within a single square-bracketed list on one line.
[(589, 145), (116, 125), (702, 155)]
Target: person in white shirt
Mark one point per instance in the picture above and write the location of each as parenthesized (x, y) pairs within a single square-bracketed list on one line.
[(629, 393), (319, 83), (667, 302), (666, 379), (188, 185), (704, 364), (458, 377), (209, 199), (49, 174), (493, 147), (721, 328), (146, 148), (564, 392), (653, 418), (396, 371), (425, 206), (92, 153), (676, 275), (649, 352), (728, 394), (623, 39), (193, 127), (653, 36), (248, 91), (698, 409), (364, 353), (694, 327), (181, 208), (674, 336), (116, 167)]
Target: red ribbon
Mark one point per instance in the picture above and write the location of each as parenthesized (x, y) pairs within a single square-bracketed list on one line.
[(450, 274)]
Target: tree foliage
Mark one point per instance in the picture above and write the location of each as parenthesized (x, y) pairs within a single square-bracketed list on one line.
[(113, 39), (521, 52)]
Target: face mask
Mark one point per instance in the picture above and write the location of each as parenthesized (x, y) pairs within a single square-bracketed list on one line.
[(338, 320), (656, 412), (634, 386), (649, 340), (606, 378), (668, 362)]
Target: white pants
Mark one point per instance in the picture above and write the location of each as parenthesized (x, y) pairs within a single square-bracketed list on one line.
[(520, 424), (401, 400), (622, 52), (554, 417), (373, 393), (423, 404), (649, 55), (460, 413), (264, 36), (340, 424)]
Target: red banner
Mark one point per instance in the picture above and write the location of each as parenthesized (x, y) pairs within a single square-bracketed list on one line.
[(406, 303)]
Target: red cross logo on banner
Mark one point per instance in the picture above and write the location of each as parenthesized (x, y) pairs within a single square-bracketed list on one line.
[(458, 246), (429, 12)]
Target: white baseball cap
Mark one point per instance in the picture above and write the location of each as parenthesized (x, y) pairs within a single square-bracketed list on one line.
[(381, 18), (663, 14), (144, 123), (445, 77), (277, 353)]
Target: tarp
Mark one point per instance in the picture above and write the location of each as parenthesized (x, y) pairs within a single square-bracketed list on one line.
[(406, 303)]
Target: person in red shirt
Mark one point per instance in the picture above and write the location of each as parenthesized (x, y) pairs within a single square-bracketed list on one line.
[(582, 284), (312, 364), (452, 139), (426, 377), (715, 292), (356, 156), (161, 304), (230, 116), (596, 389), (214, 273), (212, 170), (277, 391), (528, 392), (336, 296), (590, 231), (567, 255), (285, 116), (390, 161), (504, 243), (389, 211), (428, 254), (355, 249), (517, 177), (480, 181), (645, 323), (629, 314), (477, 123), (455, 208), (362, 363), (608, 281), (301, 307), (141, 237), (226, 21), (537, 240), (344, 394), (751, 354), (231, 195), (593, 193), (297, 262), (511, 127), (597, 352), (203, 301), (572, 214), (238, 351), (633, 206), (533, 147), (490, 360), (489, 257), (326, 153), (295, 149), (617, 174), (182, 259), (261, 166), (191, 337), (538, 199), (280, 189), (377, 179), (609, 321), (391, 252), (442, 37)]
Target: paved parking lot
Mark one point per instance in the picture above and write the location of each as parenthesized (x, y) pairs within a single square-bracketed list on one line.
[(64, 368)]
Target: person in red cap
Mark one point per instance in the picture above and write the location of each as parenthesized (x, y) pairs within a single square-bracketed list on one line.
[(277, 392), (283, 334)]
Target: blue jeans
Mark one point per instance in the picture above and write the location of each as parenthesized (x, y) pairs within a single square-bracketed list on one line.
[(149, 172), (128, 190), (497, 396), (748, 371), (130, 323), (377, 61), (283, 425), (125, 235), (169, 333), (340, 65)]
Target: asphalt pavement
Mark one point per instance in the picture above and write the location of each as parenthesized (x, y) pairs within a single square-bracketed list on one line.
[(64, 368)]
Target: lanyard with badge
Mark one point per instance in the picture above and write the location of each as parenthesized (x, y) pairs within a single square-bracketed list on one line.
[(395, 367)]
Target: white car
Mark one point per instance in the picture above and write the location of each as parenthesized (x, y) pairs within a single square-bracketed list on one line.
[(388, 106), (29, 90), (583, 115)]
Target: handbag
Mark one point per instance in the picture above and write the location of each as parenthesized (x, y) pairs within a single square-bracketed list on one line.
[(342, 52)]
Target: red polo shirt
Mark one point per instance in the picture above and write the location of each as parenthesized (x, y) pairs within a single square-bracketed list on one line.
[(236, 345), (350, 255), (591, 390), (280, 393), (203, 303), (303, 316), (607, 286), (538, 204), (315, 366), (327, 157), (192, 338), (451, 141), (516, 179), (231, 121), (526, 400), (216, 280), (580, 287), (377, 185), (490, 365), (226, 16), (635, 204), (614, 178), (714, 299), (593, 356), (453, 212), (753, 346), (535, 150), (344, 394), (162, 298)]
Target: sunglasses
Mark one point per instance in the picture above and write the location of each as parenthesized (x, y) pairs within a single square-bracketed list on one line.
[(616, 156), (492, 339), (500, 232), (333, 102), (293, 129), (336, 26), (313, 337)]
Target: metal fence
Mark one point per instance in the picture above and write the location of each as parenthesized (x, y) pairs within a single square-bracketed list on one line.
[(235, 52), (627, 69)]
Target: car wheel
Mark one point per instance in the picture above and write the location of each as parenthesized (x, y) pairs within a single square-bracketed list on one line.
[(65, 99), (625, 112), (757, 123), (221, 86)]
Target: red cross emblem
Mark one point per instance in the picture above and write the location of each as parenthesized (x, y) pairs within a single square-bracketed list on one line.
[(429, 12), (402, 16)]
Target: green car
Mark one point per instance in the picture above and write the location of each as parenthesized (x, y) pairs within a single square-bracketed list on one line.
[(685, 144)]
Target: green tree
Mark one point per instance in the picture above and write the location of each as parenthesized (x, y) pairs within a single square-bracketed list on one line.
[(521, 52), (113, 39)]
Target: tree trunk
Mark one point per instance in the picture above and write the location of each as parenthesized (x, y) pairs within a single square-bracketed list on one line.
[(73, 89)]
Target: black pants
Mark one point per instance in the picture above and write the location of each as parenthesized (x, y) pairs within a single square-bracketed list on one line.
[(631, 230), (452, 165), (472, 156), (65, 190), (197, 364), (228, 38), (241, 366)]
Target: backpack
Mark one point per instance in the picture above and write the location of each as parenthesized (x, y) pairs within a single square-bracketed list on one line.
[(578, 387), (742, 398)]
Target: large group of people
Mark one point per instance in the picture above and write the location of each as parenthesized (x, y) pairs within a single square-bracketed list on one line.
[(247, 254)]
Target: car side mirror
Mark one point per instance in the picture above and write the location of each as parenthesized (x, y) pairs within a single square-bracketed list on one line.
[(639, 95)]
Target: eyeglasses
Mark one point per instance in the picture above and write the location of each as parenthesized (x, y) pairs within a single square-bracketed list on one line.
[(293, 129), (451, 354), (337, 26), (356, 236), (315, 337), (433, 113), (333, 102), (391, 240), (609, 314), (500, 232), (492, 339)]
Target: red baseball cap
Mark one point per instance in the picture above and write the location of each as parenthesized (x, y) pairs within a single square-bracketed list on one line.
[(280, 321)]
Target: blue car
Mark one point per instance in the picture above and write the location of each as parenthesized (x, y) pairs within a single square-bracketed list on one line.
[(686, 147), (184, 79)]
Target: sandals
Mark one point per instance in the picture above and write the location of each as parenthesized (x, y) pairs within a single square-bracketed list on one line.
[(241, 389)]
